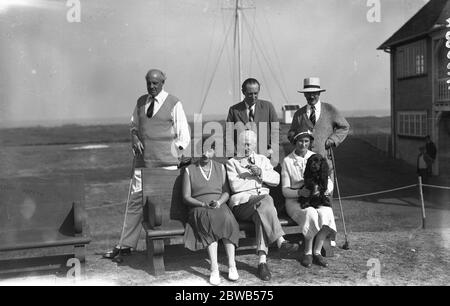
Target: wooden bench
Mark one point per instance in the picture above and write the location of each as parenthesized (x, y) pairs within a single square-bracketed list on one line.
[(38, 214), (165, 217)]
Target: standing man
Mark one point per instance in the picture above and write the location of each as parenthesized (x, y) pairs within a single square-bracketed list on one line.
[(159, 134), (431, 151), (328, 126), (251, 109), (423, 159)]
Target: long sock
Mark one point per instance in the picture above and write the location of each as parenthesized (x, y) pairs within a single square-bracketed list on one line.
[(262, 258), (280, 241), (212, 252), (308, 246), (320, 238), (229, 248)]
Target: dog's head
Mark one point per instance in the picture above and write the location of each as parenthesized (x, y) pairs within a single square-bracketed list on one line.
[(316, 172)]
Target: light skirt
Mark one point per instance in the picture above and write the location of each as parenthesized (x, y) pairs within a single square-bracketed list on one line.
[(311, 220)]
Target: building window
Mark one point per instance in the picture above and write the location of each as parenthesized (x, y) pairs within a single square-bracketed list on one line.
[(412, 124), (411, 59)]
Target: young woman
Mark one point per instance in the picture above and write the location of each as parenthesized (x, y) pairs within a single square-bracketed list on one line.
[(206, 192), (316, 222)]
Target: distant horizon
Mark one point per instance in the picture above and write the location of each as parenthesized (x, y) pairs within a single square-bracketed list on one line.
[(57, 71), (125, 119)]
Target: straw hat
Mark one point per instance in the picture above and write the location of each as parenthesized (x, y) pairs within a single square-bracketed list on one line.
[(311, 85)]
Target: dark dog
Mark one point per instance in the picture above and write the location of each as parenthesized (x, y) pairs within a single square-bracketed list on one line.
[(316, 181)]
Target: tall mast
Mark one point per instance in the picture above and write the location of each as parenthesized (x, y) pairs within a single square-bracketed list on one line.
[(239, 44)]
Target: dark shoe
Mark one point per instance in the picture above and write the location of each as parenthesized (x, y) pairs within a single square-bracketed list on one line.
[(307, 261), (116, 251), (263, 272), (288, 248), (320, 261)]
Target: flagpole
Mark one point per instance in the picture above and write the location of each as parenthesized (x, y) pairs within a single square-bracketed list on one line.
[(239, 44)]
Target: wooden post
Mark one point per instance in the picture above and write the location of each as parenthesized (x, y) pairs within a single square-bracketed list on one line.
[(422, 202), (155, 255)]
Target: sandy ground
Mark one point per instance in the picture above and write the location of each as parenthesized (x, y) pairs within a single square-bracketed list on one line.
[(415, 257), (384, 228)]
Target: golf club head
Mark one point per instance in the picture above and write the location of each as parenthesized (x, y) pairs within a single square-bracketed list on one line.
[(346, 245), (117, 259)]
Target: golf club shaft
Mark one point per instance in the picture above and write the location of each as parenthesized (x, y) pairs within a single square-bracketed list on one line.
[(128, 202), (338, 192)]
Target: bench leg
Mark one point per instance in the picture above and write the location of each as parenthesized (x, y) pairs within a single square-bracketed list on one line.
[(155, 255)]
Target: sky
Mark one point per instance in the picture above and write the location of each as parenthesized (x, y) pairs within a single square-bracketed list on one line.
[(56, 70)]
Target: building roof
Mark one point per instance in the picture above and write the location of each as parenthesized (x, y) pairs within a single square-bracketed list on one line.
[(430, 17)]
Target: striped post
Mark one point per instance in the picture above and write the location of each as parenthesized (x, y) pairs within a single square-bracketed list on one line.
[(422, 202)]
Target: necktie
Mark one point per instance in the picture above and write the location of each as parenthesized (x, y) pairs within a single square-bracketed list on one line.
[(312, 117), (251, 115), (150, 108)]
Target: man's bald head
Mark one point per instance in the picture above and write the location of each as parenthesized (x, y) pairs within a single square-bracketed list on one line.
[(156, 74), (155, 80)]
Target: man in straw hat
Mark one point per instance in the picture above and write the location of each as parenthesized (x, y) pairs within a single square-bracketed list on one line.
[(328, 126)]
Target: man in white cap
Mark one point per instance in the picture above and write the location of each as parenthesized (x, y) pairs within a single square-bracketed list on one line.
[(328, 126)]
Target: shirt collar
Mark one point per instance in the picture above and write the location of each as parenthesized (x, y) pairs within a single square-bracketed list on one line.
[(248, 106), (317, 105), (161, 97), (298, 157)]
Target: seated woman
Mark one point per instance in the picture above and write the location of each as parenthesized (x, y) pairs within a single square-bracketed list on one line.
[(206, 192), (317, 222)]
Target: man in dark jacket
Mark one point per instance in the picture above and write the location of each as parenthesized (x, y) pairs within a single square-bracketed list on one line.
[(431, 151)]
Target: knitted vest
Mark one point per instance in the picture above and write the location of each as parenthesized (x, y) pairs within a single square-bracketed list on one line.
[(156, 134), (202, 189), (322, 129)]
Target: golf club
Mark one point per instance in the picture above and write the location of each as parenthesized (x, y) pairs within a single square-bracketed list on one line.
[(346, 245), (119, 258)]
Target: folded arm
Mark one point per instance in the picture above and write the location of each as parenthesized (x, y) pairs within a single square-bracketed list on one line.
[(238, 182), (187, 195), (268, 175)]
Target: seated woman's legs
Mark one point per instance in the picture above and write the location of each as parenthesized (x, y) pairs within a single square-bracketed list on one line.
[(230, 250), (308, 219), (320, 238), (212, 252), (314, 254)]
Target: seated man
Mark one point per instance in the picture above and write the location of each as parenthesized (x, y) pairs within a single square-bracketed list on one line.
[(249, 174)]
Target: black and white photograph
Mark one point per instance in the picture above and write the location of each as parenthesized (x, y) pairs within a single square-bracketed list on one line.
[(246, 145)]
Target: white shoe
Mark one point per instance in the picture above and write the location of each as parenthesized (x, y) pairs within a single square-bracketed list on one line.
[(233, 274), (214, 278)]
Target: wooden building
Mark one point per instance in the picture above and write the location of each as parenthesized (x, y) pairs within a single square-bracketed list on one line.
[(420, 96)]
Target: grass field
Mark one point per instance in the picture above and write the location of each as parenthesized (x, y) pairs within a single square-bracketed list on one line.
[(80, 134), (386, 227)]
